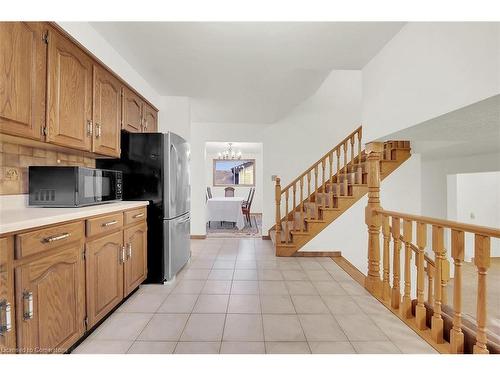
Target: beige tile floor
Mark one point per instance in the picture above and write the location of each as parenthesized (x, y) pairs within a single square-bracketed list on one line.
[(235, 296)]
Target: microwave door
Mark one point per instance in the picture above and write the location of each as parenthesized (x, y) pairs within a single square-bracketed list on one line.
[(87, 186), (98, 186)]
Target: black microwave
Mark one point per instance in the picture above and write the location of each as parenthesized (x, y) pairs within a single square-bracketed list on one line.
[(73, 186)]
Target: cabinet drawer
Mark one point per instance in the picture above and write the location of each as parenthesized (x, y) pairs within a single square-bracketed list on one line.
[(135, 216), (104, 224), (49, 238)]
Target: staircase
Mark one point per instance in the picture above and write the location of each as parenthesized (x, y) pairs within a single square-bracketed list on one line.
[(326, 190)]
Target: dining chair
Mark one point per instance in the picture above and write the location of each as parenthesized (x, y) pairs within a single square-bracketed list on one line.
[(209, 192), (248, 206), (245, 202), (229, 192)]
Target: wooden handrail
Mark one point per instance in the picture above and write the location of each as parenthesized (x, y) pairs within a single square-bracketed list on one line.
[(477, 229), (316, 164)]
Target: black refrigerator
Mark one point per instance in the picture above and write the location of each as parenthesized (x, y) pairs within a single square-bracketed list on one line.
[(155, 168)]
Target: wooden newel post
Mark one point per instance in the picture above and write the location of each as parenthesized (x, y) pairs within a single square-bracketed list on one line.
[(277, 196), (373, 282)]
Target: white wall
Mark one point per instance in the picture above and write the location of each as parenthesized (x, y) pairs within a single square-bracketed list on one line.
[(239, 191), (477, 201), (175, 115), (308, 132), (434, 179), (429, 69), (212, 132)]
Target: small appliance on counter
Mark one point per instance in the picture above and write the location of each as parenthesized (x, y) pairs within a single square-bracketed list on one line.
[(155, 168), (73, 186)]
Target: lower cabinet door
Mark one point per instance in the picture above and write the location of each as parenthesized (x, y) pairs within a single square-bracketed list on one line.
[(7, 325), (50, 301), (135, 239), (104, 263)]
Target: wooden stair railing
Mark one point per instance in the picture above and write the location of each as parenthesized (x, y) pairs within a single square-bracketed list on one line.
[(332, 170), (398, 228), (325, 190)]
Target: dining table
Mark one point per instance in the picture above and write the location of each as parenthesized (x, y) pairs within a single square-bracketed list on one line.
[(226, 209)]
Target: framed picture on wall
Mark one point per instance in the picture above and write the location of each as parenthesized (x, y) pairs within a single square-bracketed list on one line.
[(234, 172)]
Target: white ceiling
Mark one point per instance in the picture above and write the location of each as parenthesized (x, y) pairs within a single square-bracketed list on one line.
[(247, 71), (471, 130), (244, 147)]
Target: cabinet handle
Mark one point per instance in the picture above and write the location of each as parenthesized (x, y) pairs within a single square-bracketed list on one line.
[(138, 215), (122, 255), (89, 128), (109, 223), (27, 305), (97, 130), (129, 251), (56, 238), (6, 322)]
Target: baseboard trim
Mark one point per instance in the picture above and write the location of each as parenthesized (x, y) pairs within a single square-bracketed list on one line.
[(331, 254), (267, 238), (198, 236), (348, 267)]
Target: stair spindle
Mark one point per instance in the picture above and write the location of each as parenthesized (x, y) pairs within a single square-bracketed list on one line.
[(302, 224), (308, 209), (316, 183), (287, 218), (482, 262), (360, 168), (396, 287), (346, 184), (294, 205), (430, 284), (386, 286), (277, 197), (457, 252), (437, 319), (330, 160), (337, 178), (352, 139), (323, 186), (407, 238), (420, 310)]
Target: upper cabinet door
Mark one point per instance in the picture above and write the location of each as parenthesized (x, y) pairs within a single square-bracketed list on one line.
[(107, 113), (69, 101), (132, 111), (150, 123), (22, 78), (50, 301)]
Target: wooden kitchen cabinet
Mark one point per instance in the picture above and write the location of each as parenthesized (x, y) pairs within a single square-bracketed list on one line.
[(69, 97), (104, 264), (7, 313), (150, 119), (107, 113), (22, 78), (135, 242), (132, 111), (50, 301)]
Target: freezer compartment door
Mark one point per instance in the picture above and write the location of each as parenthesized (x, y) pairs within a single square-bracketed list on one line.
[(178, 189), (177, 244)]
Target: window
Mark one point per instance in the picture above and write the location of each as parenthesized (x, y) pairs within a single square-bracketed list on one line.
[(234, 172)]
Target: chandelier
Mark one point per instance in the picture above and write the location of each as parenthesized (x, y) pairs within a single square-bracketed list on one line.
[(229, 153)]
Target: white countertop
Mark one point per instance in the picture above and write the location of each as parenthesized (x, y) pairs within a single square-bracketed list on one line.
[(15, 215)]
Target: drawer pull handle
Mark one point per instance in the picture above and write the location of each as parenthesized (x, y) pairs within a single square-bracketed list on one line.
[(129, 251), (138, 215), (109, 223), (56, 238), (122, 255), (6, 322), (27, 305)]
